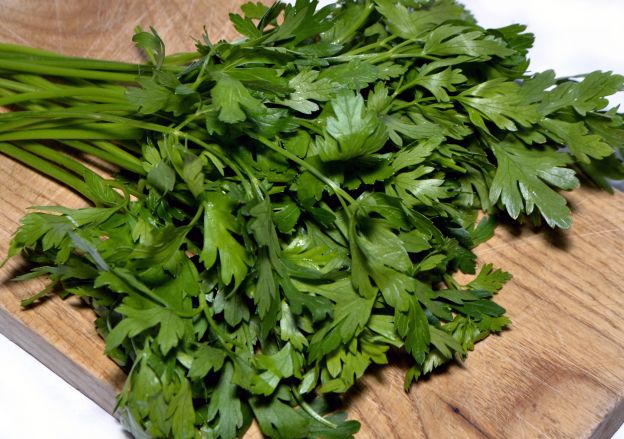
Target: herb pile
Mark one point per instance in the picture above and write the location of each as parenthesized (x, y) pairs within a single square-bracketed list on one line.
[(293, 206)]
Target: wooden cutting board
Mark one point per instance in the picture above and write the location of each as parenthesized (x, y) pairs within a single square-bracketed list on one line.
[(558, 372)]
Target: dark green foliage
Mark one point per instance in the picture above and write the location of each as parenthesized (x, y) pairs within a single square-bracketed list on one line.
[(296, 203)]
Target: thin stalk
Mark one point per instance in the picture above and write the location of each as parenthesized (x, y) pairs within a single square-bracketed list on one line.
[(310, 411), (91, 93), (16, 86), (133, 165), (19, 50), (181, 58), (403, 105), (54, 156), (115, 150), (133, 148), (309, 125), (69, 133), (451, 282), (27, 67), (103, 131), (110, 108), (78, 63), (368, 47), (35, 80), (45, 167), (20, 119)]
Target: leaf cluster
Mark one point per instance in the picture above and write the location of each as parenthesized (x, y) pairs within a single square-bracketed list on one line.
[(293, 205)]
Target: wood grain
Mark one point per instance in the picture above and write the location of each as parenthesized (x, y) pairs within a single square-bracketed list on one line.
[(558, 372)]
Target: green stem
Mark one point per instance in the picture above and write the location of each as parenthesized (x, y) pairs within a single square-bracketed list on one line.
[(181, 58), (91, 132), (91, 93), (45, 167), (54, 156), (20, 119), (451, 282), (310, 411), (78, 63), (18, 48), (37, 81), (103, 131), (402, 105), (122, 154), (29, 67), (41, 55), (118, 158), (368, 47), (16, 86), (309, 125)]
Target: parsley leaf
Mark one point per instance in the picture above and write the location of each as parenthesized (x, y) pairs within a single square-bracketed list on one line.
[(522, 182), (293, 205)]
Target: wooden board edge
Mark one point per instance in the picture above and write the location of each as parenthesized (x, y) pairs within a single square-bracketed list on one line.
[(610, 424), (98, 391)]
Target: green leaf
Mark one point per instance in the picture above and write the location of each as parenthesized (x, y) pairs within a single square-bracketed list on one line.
[(193, 174), (181, 410), (439, 83), (483, 231), (285, 363), (585, 96), (444, 343), (500, 102), (349, 318), (266, 294), (413, 327), (576, 137), (99, 191), (206, 359), (301, 21), (171, 331), (299, 143), (231, 98), (219, 229), (151, 44), (450, 40), (151, 97), (354, 75), (279, 420), (413, 23), (254, 10), (521, 182), (225, 407), (355, 130), (416, 129), (286, 217), (309, 187), (416, 191), (308, 88), (288, 329), (489, 279), (135, 323), (162, 177), (245, 26)]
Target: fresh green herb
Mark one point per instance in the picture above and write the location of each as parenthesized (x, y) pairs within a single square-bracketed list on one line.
[(293, 205)]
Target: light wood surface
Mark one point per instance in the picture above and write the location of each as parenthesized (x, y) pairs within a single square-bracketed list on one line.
[(558, 372)]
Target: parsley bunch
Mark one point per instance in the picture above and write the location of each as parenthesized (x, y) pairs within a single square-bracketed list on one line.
[(292, 206)]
